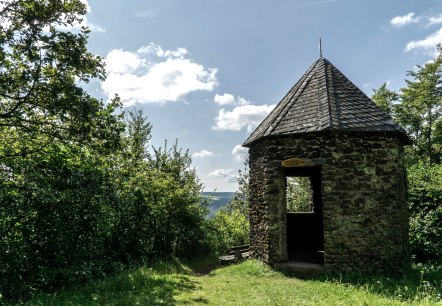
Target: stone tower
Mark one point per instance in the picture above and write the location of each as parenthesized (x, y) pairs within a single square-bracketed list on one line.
[(327, 130)]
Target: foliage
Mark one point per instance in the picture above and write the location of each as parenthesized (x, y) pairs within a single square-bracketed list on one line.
[(384, 98), (130, 234), (80, 194), (227, 229), (55, 178), (420, 110), (160, 209), (69, 214), (230, 225), (41, 62), (138, 136), (240, 201), (299, 194), (54, 217), (250, 283), (425, 205), (179, 215)]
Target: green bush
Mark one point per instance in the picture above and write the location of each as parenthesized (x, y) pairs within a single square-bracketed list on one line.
[(230, 225), (425, 205), (80, 194), (69, 214), (54, 219), (227, 229)]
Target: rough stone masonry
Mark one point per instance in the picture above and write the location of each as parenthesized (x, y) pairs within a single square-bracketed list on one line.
[(359, 150)]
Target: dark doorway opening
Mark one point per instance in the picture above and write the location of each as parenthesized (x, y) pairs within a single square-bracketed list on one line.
[(305, 230)]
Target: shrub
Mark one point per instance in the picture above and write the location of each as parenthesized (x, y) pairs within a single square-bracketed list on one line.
[(425, 205), (227, 229)]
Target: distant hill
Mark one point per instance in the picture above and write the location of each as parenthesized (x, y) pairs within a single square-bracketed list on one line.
[(218, 200)]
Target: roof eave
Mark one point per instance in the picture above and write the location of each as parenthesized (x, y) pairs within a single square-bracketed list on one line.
[(400, 132)]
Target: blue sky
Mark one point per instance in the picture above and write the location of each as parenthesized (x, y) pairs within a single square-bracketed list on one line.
[(206, 72)]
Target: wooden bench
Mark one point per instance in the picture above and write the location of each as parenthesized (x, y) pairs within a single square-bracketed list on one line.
[(236, 253)]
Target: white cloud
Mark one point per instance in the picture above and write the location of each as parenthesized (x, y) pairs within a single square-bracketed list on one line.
[(202, 154), (228, 99), (227, 174), (119, 61), (435, 20), (156, 50), (94, 27), (224, 99), (152, 75), (240, 153), (428, 44), (400, 21), (248, 116)]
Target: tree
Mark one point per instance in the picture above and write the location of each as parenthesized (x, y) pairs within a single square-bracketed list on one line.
[(43, 58), (131, 234), (384, 98), (299, 194), (227, 229), (56, 182), (240, 201), (420, 109), (55, 214), (79, 189), (178, 210), (229, 226), (138, 135)]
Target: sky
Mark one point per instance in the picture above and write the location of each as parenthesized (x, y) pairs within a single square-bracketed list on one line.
[(207, 72)]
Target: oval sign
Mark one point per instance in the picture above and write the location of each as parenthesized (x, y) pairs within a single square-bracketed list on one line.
[(294, 162)]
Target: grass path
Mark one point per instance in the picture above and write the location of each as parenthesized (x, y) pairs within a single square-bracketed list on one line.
[(248, 283)]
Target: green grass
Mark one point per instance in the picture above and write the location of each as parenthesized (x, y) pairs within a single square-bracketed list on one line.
[(248, 283)]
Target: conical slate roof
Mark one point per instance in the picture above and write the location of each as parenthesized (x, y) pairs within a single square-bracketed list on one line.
[(324, 99)]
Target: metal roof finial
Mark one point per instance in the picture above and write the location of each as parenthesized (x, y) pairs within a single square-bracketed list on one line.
[(320, 48)]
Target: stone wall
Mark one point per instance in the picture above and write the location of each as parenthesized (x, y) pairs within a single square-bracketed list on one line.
[(363, 194)]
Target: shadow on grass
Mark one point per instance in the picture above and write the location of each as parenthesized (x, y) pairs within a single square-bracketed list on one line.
[(202, 265), (144, 286), (422, 282)]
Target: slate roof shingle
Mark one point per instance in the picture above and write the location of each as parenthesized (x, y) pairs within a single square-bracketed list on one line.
[(324, 99)]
